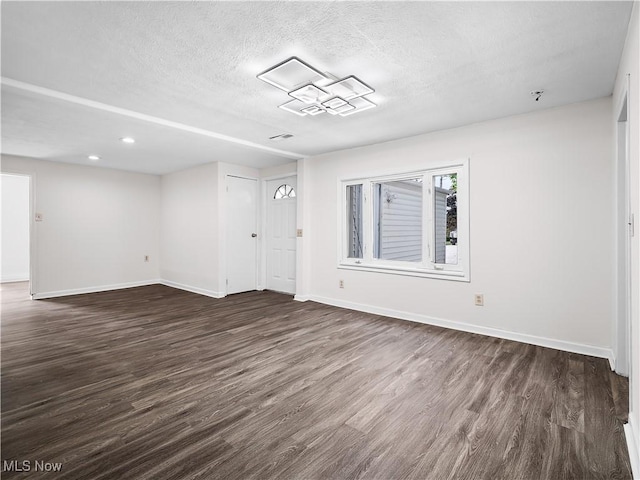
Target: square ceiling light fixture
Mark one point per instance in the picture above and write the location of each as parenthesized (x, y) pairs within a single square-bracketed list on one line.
[(291, 74), (349, 88), (309, 94), (315, 92)]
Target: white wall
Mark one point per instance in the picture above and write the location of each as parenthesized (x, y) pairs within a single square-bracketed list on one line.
[(15, 228), (285, 170), (629, 66), (189, 229), (541, 228), (98, 225), (193, 239)]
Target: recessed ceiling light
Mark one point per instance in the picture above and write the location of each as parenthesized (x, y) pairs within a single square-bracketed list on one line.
[(94, 157), (128, 140)]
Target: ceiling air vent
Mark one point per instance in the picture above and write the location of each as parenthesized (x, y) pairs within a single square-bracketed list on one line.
[(282, 136)]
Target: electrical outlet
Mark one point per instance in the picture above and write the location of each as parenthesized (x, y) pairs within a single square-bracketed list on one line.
[(38, 217), (299, 232), (146, 258), (479, 299), (341, 283)]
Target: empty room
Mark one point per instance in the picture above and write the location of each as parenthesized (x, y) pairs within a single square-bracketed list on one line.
[(320, 240)]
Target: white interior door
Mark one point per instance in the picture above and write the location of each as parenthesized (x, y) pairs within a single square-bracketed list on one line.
[(241, 234), (281, 235)]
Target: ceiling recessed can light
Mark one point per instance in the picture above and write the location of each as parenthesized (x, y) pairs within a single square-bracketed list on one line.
[(128, 140), (94, 157)]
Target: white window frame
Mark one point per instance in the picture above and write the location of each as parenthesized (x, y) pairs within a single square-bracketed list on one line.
[(427, 267)]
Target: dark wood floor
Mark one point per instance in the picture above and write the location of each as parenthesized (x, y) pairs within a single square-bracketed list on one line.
[(158, 383)]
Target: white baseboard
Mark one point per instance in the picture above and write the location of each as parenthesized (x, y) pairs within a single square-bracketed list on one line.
[(15, 278), (189, 288), (467, 327), (633, 447), (414, 317), (101, 288), (612, 360), (119, 286)]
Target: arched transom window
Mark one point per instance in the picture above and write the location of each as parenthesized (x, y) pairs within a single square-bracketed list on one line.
[(284, 191)]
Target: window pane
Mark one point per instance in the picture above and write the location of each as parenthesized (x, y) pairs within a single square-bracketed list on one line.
[(445, 218), (397, 214), (354, 221), (284, 191)]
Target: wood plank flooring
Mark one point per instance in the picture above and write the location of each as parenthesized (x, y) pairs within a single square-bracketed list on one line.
[(156, 383)]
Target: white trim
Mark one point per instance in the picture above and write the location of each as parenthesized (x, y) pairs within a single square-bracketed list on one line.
[(46, 92), (189, 288), (612, 360), (96, 289), (121, 286), (623, 352), (467, 327), (414, 317), (15, 278), (633, 447), (408, 272), (383, 174)]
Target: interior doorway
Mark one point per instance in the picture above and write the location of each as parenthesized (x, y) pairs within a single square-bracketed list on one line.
[(281, 224), (622, 337), (242, 236), (15, 260)]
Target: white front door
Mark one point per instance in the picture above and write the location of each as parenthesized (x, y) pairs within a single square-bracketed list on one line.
[(281, 235), (241, 234)]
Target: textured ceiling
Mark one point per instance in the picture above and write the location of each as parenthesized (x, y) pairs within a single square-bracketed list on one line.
[(434, 65)]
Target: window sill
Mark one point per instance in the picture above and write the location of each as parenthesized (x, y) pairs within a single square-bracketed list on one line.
[(409, 272)]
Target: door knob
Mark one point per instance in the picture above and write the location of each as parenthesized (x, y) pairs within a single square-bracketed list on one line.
[(254, 235)]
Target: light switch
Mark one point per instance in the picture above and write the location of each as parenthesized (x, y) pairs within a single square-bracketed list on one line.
[(299, 232), (38, 217)]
